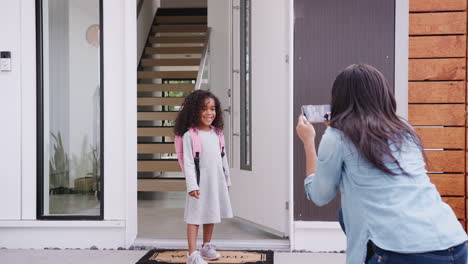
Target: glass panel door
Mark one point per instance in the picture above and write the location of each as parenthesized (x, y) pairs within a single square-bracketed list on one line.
[(70, 109)]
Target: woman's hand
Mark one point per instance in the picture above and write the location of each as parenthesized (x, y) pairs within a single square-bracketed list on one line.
[(195, 194), (305, 130), (306, 133)]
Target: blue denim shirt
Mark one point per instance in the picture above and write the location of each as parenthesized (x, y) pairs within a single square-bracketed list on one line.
[(401, 213)]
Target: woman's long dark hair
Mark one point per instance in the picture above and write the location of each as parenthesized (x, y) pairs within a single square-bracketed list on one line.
[(189, 115), (364, 109)]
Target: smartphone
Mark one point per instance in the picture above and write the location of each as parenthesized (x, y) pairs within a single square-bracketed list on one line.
[(317, 113)]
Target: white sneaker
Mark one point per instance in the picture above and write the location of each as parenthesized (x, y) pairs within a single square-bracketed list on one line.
[(208, 251), (195, 258)]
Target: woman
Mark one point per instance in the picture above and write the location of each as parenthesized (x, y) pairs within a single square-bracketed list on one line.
[(376, 160)]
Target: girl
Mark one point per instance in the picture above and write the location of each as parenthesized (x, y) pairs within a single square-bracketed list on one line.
[(208, 201), (376, 160)]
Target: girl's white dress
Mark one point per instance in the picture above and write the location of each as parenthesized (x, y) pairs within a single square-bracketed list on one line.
[(214, 202)]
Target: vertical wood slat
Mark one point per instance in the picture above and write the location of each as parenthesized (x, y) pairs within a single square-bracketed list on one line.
[(445, 161), (436, 114), (436, 5), (442, 137), (457, 204), (445, 23), (449, 184), (437, 47), (437, 69), (436, 92)]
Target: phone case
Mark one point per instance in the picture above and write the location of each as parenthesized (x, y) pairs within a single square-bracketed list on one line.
[(316, 113)]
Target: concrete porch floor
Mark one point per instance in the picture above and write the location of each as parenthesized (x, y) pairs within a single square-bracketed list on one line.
[(27, 256)]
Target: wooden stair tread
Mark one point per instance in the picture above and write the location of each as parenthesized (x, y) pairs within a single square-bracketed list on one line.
[(173, 50), (164, 165), (161, 185), (160, 101), (167, 74), (181, 19), (155, 131), (170, 62), (156, 115), (165, 87), (153, 148), (177, 39), (179, 28)]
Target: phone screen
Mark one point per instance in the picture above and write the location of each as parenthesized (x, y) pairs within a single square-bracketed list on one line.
[(317, 113)]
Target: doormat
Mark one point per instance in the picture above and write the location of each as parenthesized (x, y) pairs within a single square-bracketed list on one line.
[(166, 256)]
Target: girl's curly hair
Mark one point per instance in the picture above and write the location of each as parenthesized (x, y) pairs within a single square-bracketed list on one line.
[(189, 115)]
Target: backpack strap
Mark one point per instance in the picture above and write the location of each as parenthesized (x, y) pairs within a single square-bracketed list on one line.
[(221, 140), (196, 148), (196, 151), (179, 147)]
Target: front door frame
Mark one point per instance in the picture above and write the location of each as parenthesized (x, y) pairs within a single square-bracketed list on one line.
[(129, 42)]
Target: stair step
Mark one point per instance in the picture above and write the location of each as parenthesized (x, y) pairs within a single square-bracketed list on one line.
[(181, 19), (153, 116), (161, 185), (179, 28), (153, 148), (166, 87), (155, 131), (160, 101), (172, 11), (170, 62), (177, 39), (164, 165), (167, 74), (173, 50)]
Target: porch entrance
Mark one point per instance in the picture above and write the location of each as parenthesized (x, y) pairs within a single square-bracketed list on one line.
[(180, 55)]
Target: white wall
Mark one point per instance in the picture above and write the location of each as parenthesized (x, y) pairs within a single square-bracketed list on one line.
[(144, 23), (18, 137), (10, 109), (401, 56), (260, 195), (183, 3), (119, 107)]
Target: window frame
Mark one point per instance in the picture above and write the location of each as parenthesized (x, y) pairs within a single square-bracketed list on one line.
[(40, 120), (245, 87)]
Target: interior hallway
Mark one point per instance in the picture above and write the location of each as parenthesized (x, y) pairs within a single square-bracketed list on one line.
[(161, 216)]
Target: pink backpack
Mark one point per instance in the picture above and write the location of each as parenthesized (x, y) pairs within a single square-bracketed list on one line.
[(196, 148)]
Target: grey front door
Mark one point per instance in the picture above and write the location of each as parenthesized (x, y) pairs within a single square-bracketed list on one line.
[(328, 36)]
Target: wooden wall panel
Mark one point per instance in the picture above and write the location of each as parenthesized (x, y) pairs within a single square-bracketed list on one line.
[(436, 114), (437, 69), (437, 5), (437, 46), (445, 161), (442, 137), (457, 204), (436, 92), (437, 23), (449, 184)]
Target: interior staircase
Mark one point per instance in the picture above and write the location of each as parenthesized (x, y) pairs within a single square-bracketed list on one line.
[(167, 72)]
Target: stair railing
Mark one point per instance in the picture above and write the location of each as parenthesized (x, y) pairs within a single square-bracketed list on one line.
[(203, 70)]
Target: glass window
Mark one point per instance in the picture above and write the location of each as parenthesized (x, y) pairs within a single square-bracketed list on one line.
[(70, 181), (245, 85)]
